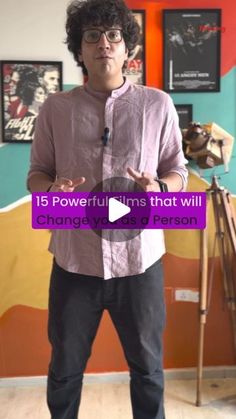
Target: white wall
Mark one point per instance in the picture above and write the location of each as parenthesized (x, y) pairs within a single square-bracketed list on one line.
[(35, 30)]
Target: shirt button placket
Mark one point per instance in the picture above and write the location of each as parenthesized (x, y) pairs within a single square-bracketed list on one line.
[(107, 173)]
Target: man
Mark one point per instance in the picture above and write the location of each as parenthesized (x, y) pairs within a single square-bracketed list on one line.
[(49, 79), (89, 273)]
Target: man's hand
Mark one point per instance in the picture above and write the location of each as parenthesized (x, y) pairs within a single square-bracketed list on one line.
[(145, 180), (66, 185)]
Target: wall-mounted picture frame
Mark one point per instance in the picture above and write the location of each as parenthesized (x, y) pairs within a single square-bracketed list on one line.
[(135, 70), (185, 114), (192, 39), (25, 85)]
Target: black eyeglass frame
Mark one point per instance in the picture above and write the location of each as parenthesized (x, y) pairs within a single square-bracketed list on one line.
[(105, 32)]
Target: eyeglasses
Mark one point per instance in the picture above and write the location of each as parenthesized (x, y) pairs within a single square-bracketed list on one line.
[(92, 36)]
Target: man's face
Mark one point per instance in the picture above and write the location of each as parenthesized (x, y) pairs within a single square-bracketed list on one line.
[(103, 59), (51, 81), (13, 83)]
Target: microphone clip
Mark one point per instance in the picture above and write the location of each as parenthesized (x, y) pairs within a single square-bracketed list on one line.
[(106, 136)]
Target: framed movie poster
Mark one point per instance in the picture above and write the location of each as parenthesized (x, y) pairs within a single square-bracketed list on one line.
[(185, 114), (192, 50), (135, 70), (25, 85)]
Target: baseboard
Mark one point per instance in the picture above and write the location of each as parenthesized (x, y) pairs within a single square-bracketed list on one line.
[(123, 377), (208, 372)]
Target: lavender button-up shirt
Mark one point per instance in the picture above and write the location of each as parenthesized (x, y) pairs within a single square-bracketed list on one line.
[(144, 134)]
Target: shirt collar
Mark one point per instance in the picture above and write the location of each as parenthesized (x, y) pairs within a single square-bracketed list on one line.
[(114, 93)]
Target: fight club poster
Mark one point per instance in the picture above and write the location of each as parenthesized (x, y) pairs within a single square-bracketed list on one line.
[(192, 50), (25, 85)]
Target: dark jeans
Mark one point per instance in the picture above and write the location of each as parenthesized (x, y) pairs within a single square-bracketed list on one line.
[(137, 309)]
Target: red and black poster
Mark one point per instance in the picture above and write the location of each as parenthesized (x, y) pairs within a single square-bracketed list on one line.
[(135, 70), (24, 88)]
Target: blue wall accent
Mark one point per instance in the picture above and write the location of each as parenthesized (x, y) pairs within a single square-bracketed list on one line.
[(14, 165)]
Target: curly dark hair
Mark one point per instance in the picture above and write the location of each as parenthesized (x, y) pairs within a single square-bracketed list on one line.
[(28, 91), (28, 78), (106, 13)]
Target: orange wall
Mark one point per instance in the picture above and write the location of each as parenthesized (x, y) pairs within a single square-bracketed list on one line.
[(25, 350)]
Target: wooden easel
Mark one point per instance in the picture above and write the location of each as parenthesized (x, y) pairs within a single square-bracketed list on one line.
[(225, 235)]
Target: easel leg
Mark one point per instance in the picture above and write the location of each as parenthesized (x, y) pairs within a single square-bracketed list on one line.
[(203, 306)]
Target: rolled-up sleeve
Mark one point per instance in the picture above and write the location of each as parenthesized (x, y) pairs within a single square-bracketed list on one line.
[(42, 158), (171, 156)]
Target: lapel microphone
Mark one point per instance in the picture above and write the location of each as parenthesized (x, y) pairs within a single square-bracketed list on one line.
[(106, 136)]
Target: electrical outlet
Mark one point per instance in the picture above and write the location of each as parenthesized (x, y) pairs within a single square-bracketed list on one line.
[(182, 294)]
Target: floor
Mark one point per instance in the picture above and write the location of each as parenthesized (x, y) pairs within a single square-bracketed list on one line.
[(111, 401)]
